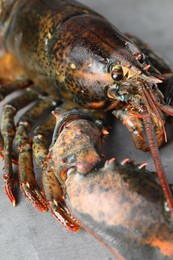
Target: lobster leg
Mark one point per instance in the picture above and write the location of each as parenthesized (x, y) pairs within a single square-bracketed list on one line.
[(52, 187), (42, 139), (8, 88), (8, 132), (28, 183)]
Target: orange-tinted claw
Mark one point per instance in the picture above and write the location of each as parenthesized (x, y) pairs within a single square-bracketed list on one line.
[(34, 196), (10, 184), (61, 213), (55, 197)]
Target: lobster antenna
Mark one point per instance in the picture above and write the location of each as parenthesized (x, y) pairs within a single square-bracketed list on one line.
[(156, 158), (157, 161)]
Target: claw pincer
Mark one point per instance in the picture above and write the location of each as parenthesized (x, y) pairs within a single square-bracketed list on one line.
[(74, 148)]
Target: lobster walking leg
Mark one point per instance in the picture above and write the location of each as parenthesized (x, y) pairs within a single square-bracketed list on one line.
[(42, 139), (28, 183), (8, 88), (51, 185), (8, 133)]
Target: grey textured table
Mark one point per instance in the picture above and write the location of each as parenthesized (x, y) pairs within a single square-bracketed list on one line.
[(26, 234)]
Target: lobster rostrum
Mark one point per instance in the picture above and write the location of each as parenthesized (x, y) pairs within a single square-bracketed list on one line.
[(67, 52)]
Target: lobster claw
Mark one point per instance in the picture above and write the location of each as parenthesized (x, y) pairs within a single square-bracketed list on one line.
[(55, 201), (127, 217), (110, 202)]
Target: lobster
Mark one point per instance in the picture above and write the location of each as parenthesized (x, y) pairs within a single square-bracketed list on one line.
[(67, 52)]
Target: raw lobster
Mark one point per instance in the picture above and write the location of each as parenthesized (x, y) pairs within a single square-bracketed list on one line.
[(70, 53)]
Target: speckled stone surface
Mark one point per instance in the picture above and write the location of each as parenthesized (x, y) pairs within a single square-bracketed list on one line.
[(26, 234)]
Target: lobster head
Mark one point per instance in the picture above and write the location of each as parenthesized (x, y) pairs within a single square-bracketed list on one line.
[(135, 89)]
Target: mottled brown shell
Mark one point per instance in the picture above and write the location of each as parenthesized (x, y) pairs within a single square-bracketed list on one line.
[(124, 208)]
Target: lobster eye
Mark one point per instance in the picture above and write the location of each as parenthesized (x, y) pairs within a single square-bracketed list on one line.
[(117, 73)]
